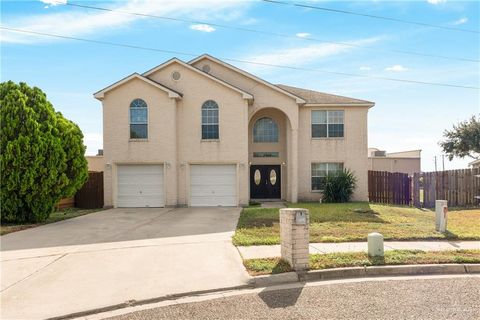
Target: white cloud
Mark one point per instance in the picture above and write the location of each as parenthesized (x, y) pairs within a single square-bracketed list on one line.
[(202, 27), (436, 1), (460, 21), (396, 68), (54, 2), (303, 55), (303, 34), (365, 68), (86, 22)]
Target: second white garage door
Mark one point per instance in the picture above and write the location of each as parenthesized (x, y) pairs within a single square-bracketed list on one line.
[(213, 185), (140, 186)]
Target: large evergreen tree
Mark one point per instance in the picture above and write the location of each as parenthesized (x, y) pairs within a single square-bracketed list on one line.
[(41, 154)]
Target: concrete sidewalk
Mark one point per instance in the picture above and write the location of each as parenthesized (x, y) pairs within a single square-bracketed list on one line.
[(255, 252)]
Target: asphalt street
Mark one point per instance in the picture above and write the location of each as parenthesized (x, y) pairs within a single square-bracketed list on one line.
[(446, 298)]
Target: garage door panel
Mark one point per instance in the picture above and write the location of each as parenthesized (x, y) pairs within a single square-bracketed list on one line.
[(207, 202), (213, 180), (213, 185), (201, 191), (140, 186)]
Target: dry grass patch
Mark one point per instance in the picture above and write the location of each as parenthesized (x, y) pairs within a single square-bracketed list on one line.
[(356, 259), (342, 222)]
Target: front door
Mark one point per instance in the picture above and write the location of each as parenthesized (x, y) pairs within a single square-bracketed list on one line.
[(265, 182)]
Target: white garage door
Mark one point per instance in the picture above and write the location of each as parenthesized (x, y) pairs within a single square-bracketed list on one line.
[(140, 186), (213, 185)]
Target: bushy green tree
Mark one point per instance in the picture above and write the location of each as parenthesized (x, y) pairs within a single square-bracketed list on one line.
[(41, 154), (463, 140), (339, 187)]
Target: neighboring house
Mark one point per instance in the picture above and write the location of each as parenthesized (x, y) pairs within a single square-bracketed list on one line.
[(404, 161), (205, 133), (475, 164), (95, 163)]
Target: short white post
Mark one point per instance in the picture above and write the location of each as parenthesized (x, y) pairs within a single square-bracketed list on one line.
[(294, 237), (441, 211), (375, 245)]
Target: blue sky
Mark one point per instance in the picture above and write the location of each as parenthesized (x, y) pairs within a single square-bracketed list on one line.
[(406, 116)]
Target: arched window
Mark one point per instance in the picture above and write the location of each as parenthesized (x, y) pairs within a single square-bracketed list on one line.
[(138, 119), (210, 120), (265, 130)]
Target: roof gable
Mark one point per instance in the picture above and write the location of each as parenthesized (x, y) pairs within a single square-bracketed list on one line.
[(244, 94), (320, 98), (298, 99), (171, 93)]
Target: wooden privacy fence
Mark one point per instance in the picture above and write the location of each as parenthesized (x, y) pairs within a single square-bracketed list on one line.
[(387, 187), (461, 188), (90, 196)]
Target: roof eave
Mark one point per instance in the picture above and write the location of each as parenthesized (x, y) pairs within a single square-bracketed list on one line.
[(369, 104), (245, 95), (100, 95)]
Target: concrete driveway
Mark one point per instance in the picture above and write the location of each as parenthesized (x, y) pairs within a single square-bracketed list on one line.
[(114, 256)]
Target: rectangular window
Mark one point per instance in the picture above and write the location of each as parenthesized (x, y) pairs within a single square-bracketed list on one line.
[(209, 124), (138, 123), (327, 123), (320, 171), (209, 131), (265, 154)]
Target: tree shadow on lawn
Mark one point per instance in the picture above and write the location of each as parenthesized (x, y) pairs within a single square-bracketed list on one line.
[(344, 212), (319, 213)]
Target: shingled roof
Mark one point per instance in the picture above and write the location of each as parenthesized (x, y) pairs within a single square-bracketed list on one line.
[(315, 97)]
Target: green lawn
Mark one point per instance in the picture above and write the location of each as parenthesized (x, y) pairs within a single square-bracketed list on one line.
[(342, 223), (59, 215), (355, 259)]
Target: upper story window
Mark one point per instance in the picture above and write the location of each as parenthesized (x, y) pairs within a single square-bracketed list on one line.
[(265, 130), (327, 123), (138, 119), (210, 120)]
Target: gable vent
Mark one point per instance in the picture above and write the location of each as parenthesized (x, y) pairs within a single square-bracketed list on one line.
[(176, 75), (206, 68)]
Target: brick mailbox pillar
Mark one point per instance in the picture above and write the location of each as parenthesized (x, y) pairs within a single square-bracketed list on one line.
[(294, 237)]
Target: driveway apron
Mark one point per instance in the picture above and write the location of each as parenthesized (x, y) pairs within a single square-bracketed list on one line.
[(118, 255)]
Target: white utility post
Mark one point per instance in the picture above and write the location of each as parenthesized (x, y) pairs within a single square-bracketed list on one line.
[(441, 212), (375, 245), (294, 237)]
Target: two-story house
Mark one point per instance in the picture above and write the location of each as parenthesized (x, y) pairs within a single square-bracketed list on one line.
[(206, 133)]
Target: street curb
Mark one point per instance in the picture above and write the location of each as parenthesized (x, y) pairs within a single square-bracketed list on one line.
[(361, 272), (134, 303)]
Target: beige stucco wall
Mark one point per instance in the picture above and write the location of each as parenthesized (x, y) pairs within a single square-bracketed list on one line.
[(351, 150), (231, 148), (266, 98), (392, 164), (159, 148), (175, 133), (405, 154), (95, 163)]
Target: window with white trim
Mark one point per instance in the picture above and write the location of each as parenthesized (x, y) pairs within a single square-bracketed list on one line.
[(138, 119), (210, 120), (327, 123), (321, 170)]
